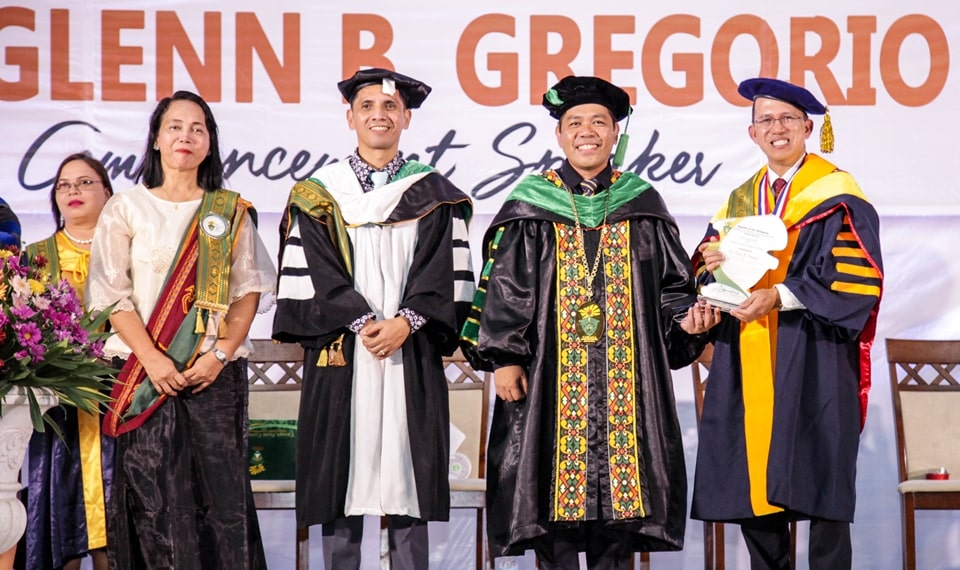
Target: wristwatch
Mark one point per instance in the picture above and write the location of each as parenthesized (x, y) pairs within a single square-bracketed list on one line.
[(220, 355)]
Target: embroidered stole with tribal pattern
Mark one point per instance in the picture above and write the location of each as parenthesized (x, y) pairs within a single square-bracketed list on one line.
[(570, 466)]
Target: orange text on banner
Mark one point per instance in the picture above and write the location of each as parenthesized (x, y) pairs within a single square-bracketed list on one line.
[(813, 46)]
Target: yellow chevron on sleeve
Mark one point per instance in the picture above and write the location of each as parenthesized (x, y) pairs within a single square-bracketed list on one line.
[(858, 270), (846, 236), (848, 252), (856, 288)]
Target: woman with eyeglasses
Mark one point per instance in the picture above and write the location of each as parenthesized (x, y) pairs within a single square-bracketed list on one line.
[(69, 478), (180, 260)]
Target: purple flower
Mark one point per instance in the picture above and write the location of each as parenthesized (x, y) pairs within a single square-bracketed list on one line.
[(65, 299), (96, 349), (22, 311), (20, 354), (63, 334), (28, 334), (14, 265), (37, 351), (59, 319), (80, 334)]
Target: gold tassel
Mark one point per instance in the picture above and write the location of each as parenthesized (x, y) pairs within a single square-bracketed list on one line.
[(332, 354), (826, 134), (336, 353), (222, 329), (200, 327)]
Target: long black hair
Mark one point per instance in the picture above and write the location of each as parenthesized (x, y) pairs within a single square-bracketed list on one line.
[(210, 172), (93, 163)]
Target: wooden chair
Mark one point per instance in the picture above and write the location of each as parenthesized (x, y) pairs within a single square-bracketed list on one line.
[(469, 407), (275, 374), (713, 532), (926, 407)]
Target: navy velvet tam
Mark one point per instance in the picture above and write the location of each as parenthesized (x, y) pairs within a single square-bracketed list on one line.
[(573, 90), (411, 90), (799, 97)]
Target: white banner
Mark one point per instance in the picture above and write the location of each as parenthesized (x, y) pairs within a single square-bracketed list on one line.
[(86, 77)]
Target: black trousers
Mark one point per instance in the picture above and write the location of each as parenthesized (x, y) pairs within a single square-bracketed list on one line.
[(768, 541), (606, 549), (409, 548)]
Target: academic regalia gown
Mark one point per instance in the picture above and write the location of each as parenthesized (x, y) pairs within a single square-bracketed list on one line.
[(320, 319), (802, 457), (650, 285)]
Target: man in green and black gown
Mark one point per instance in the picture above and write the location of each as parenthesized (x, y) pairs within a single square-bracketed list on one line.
[(585, 303)]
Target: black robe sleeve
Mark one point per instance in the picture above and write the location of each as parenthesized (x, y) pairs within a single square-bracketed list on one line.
[(677, 295), (429, 289), (513, 287)]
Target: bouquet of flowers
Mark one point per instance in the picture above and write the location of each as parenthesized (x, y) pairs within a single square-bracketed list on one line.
[(47, 341)]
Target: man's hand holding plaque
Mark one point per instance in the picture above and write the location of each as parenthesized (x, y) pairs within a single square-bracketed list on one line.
[(746, 244)]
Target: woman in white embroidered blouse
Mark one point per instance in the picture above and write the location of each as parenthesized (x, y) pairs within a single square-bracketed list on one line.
[(182, 263)]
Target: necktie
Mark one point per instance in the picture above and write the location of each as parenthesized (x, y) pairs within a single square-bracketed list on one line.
[(589, 187), (778, 185), (379, 178)]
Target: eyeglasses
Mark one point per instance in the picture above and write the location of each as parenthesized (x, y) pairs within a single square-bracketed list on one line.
[(81, 185), (788, 122)]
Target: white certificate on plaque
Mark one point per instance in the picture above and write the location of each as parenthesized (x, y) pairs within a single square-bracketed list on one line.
[(746, 244)]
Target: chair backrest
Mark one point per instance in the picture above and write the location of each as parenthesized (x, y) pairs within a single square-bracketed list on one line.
[(275, 376), (469, 406), (275, 373), (926, 404)]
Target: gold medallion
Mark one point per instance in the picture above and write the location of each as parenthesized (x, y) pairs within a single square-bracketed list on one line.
[(215, 225), (589, 323)]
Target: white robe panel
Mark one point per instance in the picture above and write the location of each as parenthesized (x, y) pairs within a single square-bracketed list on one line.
[(381, 479)]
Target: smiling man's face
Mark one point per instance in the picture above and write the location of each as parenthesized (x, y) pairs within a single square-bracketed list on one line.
[(784, 146), (587, 134), (378, 118)]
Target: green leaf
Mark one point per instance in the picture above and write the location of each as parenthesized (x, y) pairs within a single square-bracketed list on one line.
[(36, 414), (95, 322), (53, 425)]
